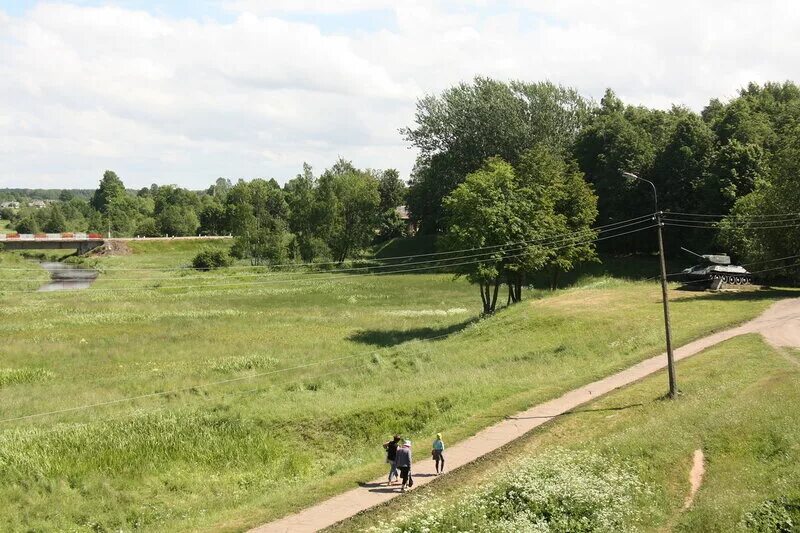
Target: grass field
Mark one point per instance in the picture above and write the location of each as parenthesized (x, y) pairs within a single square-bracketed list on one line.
[(738, 405), (326, 366)]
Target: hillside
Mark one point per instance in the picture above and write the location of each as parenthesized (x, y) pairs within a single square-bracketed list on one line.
[(256, 393)]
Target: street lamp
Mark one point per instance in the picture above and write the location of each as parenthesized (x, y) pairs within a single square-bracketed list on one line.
[(673, 388)]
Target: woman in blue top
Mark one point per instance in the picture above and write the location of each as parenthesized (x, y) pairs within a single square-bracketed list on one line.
[(438, 454)]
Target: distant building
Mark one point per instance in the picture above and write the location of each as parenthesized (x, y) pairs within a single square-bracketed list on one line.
[(9, 205), (402, 213), (38, 204)]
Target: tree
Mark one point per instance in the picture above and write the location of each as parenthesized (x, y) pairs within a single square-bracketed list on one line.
[(147, 227), (777, 195), (111, 187), (122, 214), (212, 217), (310, 213), (27, 224), (615, 141), (681, 169), (177, 221), (562, 189), (257, 213), (354, 205), (458, 130), (56, 223), (392, 190), (529, 219)]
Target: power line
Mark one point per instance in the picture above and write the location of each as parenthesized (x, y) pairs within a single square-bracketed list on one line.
[(738, 222), (315, 278), (200, 386), (614, 225), (521, 245), (706, 215), (575, 235), (699, 226)]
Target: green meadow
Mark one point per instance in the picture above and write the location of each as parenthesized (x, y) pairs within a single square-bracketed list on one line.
[(166, 400), (738, 405)]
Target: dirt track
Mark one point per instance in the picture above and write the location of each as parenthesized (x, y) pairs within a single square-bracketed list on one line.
[(780, 326)]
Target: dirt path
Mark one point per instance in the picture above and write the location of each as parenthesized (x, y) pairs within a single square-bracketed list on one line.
[(695, 476), (780, 326)]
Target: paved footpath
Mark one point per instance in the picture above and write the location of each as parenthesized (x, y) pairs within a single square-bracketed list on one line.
[(780, 326)]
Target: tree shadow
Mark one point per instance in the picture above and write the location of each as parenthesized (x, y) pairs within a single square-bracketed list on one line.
[(743, 296), (385, 338), (577, 411)]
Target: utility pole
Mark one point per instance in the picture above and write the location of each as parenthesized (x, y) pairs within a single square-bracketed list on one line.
[(673, 387)]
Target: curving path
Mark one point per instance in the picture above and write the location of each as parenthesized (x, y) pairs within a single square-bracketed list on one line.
[(780, 326)]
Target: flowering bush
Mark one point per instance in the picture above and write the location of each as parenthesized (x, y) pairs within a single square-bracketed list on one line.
[(560, 491)]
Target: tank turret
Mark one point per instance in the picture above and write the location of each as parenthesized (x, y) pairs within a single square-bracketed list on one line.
[(715, 271)]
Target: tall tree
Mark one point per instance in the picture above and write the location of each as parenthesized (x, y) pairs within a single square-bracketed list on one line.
[(458, 130), (111, 187), (355, 209), (516, 216), (392, 190)]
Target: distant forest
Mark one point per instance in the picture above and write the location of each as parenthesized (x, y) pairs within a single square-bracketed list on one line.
[(21, 195), (498, 162)]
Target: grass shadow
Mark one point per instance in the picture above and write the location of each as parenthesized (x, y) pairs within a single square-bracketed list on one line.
[(385, 338), (577, 411), (745, 295)]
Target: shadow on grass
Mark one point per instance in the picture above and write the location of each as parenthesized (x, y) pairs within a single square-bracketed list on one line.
[(577, 411), (392, 337), (571, 412), (745, 295)]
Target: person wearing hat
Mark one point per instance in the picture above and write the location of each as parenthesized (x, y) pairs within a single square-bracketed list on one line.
[(402, 461), (391, 451), (438, 453)]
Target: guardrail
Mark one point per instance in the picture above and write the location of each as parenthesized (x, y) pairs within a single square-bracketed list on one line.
[(67, 236)]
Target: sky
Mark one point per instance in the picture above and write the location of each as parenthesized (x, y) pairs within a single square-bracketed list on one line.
[(187, 91)]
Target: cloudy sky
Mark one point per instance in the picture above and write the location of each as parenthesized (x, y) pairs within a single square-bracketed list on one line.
[(186, 91)]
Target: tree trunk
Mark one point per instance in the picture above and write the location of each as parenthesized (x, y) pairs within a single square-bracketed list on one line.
[(497, 284), (554, 280)]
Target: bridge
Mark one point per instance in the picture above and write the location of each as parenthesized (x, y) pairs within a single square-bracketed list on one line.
[(82, 242)]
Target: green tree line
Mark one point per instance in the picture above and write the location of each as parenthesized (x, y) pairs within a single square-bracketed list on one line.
[(498, 162), (737, 159), (332, 216)]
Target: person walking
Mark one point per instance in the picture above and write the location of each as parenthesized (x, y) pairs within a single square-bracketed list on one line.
[(391, 452), (438, 453), (403, 463)]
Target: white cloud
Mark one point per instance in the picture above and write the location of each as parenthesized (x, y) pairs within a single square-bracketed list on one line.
[(161, 99)]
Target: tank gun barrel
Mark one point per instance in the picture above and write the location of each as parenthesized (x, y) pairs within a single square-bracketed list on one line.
[(691, 252)]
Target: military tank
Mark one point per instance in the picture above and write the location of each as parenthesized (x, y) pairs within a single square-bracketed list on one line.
[(715, 271)]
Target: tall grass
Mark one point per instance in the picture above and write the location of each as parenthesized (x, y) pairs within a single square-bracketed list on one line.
[(350, 362), (738, 404)]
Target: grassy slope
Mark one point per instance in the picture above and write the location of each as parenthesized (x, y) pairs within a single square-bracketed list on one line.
[(245, 452), (19, 274), (738, 404)]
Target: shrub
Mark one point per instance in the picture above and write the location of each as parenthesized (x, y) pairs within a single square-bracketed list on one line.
[(209, 259), (774, 516), (559, 491)]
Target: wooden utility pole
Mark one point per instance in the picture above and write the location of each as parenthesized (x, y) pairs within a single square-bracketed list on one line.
[(673, 387)]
